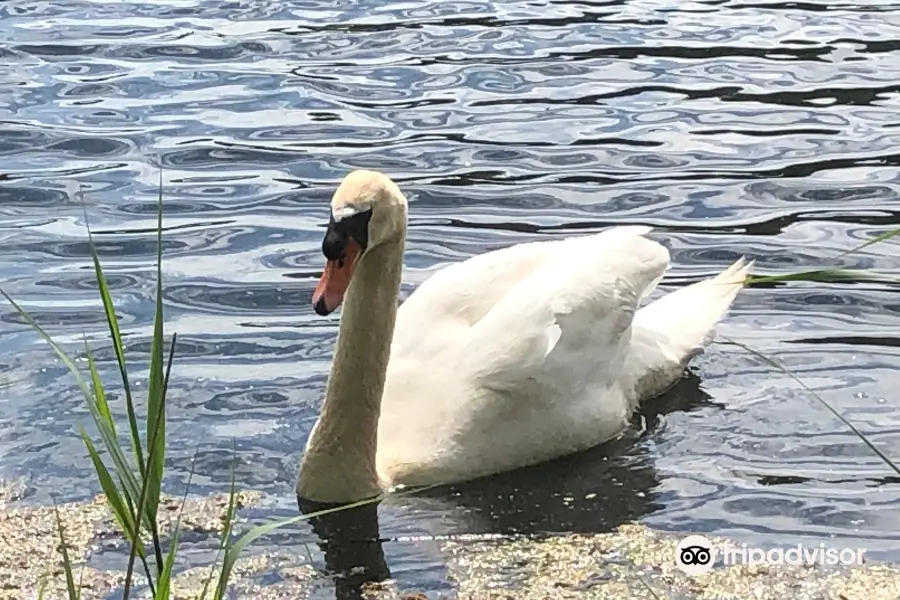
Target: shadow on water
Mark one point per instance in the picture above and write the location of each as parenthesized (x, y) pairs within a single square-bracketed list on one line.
[(613, 484), (351, 542)]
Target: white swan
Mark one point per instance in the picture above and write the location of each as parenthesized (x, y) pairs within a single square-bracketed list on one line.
[(507, 359)]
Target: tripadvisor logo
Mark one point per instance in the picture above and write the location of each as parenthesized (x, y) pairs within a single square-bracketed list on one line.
[(695, 555)]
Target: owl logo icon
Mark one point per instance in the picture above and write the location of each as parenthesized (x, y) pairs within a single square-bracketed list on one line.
[(695, 555)]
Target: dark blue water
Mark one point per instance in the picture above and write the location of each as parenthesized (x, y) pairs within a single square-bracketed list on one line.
[(761, 128)]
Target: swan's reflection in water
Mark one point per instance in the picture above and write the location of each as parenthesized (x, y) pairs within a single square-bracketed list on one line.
[(352, 546), (591, 492)]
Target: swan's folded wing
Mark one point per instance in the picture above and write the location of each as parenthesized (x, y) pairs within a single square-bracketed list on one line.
[(467, 290), (458, 296), (441, 310), (565, 324)]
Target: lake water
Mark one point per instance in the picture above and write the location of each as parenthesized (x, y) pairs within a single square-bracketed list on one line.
[(752, 127)]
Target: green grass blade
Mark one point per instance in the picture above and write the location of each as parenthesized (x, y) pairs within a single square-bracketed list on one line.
[(109, 439), (233, 551), (776, 365), (833, 275), (156, 414), (165, 578), (118, 507), (99, 392), (162, 590), (823, 276), (67, 563), (127, 479), (129, 486), (140, 550), (137, 549), (82, 384), (155, 486), (225, 538), (155, 437), (81, 580), (123, 469), (115, 334), (875, 240)]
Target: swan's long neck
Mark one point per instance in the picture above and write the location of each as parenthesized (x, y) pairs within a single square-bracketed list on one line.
[(339, 465)]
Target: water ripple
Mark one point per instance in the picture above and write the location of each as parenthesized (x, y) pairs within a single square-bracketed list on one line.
[(762, 128)]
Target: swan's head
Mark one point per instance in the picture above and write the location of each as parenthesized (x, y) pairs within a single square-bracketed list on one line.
[(367, 210)]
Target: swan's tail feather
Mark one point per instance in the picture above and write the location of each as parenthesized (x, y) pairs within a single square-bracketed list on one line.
[(669, 332)]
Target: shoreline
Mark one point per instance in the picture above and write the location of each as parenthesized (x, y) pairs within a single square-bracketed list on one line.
[(633, 562)]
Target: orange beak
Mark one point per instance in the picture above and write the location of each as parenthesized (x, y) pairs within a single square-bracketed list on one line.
[(335, 280)]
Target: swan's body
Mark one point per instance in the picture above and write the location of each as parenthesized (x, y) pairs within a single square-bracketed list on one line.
[(508, 359)]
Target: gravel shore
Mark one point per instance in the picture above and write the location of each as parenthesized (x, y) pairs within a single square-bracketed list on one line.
[(633, 562)]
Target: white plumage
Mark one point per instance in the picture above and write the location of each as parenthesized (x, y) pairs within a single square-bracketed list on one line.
[(507, 359), (536, 351)]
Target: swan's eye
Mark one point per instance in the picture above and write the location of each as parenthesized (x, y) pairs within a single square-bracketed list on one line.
[(334, 245), (356, 226)]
